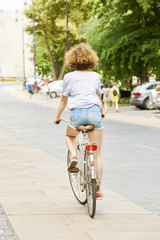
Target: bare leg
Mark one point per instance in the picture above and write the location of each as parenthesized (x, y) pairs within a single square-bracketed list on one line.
[(71, 140), (108, 105), (113, 105), (105, 106), (96, 136), (116, 106)]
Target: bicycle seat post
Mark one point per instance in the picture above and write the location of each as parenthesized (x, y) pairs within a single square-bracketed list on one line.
[(85, 136), (84, 129)]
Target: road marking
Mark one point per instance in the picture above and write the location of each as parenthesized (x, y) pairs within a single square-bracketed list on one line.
[(148, 147)]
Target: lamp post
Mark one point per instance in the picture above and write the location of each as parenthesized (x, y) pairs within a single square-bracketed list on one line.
[(34, 45), (34, 48), (23, 51), (67, 29), (24, 71)]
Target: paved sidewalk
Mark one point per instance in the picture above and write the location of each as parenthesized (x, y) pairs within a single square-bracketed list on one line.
[(130, 118), (144, 118), (38, 201)]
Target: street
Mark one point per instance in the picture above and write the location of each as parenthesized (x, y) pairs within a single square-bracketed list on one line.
[(131, 153)]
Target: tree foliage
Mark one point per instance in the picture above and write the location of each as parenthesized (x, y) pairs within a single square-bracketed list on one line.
[(127, 38), (50, 26)]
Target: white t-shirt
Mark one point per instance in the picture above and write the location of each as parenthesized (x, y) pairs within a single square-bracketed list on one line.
[(81, 89)]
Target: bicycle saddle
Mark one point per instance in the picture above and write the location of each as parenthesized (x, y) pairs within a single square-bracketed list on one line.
[(85, 128)]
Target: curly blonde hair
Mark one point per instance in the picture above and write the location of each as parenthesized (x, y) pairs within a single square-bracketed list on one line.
[(81, 57), (114, 84)]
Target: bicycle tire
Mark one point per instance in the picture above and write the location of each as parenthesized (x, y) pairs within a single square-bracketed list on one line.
[(90, 188), (77, 183)]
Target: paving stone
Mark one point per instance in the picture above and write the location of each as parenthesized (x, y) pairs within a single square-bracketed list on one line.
[(7, 238), (6, 232)]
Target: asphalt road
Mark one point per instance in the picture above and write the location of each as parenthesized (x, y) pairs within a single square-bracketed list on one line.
[(131, 153)]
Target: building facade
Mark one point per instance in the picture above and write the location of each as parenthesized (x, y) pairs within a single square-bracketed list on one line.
[(15, 55)]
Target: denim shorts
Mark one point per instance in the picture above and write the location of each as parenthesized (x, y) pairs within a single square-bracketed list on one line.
[(85, 116)]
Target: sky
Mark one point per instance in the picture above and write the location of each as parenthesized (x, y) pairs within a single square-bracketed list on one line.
[(12, 5)]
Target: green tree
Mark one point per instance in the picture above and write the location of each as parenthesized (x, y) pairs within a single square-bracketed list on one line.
[(127, 38), (42, 59), (50, 25)]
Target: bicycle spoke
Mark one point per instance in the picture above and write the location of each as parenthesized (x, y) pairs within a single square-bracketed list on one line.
[(77, 185), (90, 188)]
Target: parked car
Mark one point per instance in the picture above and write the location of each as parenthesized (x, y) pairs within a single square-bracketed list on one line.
[(140, 95), (55, 88), (154, 97)]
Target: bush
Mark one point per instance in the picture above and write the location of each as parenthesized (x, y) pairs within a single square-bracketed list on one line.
[(124, 101)]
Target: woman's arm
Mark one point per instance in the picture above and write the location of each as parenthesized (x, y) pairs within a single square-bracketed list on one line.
[(99, 95), (61, 108), (118, 90)]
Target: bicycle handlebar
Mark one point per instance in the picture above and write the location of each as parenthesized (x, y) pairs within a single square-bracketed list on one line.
[(58, 122)]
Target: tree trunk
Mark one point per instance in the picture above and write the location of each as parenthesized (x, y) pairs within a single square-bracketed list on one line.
[(51, 57), (57, 65), (127, 83), (56, 58), (144, 75), (64, 65)]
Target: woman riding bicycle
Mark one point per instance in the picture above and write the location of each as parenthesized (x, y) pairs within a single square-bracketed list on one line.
[(82, 94)]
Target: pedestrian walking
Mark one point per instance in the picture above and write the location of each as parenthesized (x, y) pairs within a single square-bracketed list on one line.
[(115, 96), (82, 94), (30, 88), (106, 97), (46, 90)]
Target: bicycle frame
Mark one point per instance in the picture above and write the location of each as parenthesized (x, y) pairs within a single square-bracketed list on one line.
[(85, 147)]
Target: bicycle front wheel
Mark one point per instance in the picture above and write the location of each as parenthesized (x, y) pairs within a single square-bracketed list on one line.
[(77, 182), (90, 187)]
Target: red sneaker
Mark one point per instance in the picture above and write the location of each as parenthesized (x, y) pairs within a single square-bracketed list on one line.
[(99, 195), (72, 165)]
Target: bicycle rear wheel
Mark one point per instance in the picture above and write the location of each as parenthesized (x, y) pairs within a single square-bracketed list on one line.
[(77, 181), (90, 187)]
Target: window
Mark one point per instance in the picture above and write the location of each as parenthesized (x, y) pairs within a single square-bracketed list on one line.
[(150, 87)]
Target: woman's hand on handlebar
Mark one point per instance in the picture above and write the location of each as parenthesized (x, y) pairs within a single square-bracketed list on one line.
[(57, 121)]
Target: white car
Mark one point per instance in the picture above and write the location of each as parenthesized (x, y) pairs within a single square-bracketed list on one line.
[(55, 88), (154, 97)]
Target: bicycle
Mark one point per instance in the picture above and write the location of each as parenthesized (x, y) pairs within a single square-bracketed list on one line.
[(83, 179), (84, 182)]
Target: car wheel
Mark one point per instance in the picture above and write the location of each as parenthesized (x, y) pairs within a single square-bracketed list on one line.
[(53, 94), (148, 104)]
